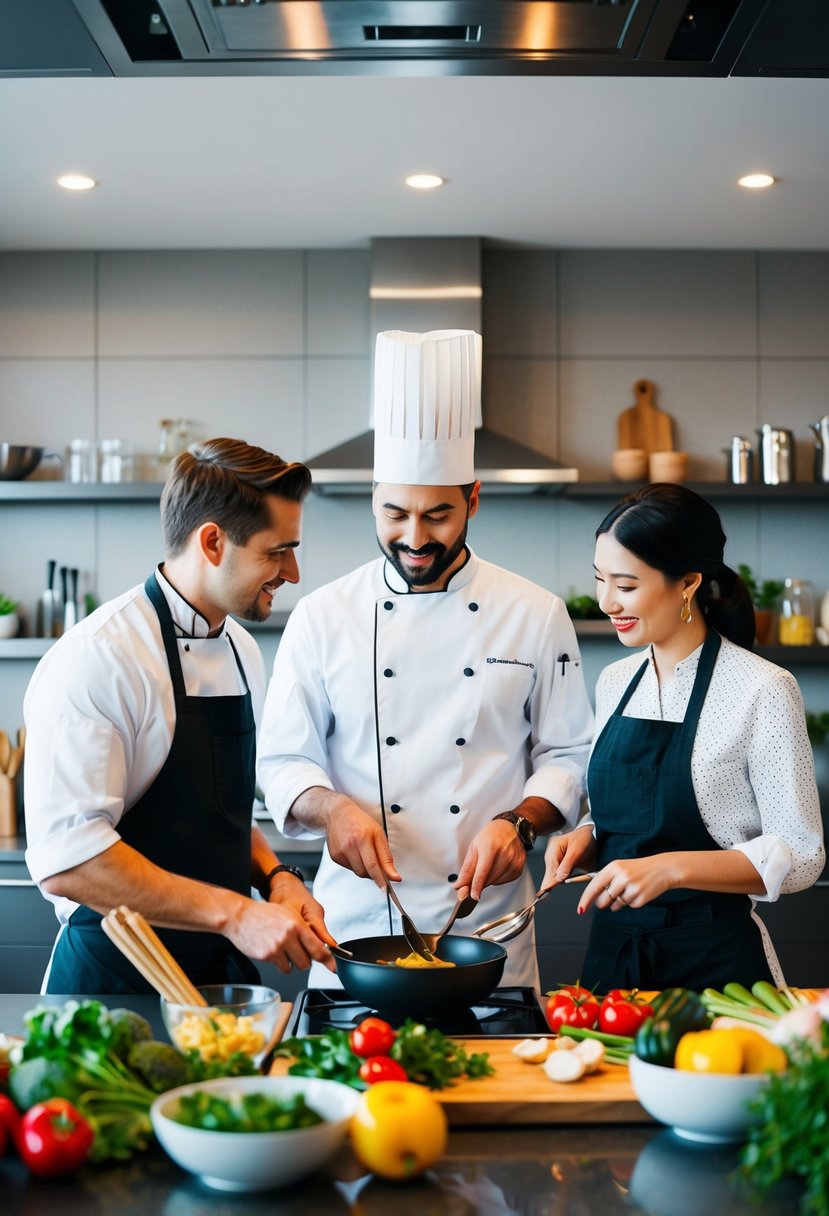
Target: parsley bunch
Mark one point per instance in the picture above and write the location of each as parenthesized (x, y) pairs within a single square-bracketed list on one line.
[(433, 1060), (792, 1137)]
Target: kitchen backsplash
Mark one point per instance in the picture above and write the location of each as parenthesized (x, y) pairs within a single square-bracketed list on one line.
[(274, 346)]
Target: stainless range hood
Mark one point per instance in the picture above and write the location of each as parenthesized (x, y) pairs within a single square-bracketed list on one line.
[(419, 284)]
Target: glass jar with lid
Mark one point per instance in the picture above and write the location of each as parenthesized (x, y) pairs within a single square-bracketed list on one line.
[(797, 613)]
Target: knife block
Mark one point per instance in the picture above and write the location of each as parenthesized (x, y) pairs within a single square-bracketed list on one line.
[(8, 805)]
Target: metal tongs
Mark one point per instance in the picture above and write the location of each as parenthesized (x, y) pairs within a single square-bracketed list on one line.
[(507, 927), (413, 938)]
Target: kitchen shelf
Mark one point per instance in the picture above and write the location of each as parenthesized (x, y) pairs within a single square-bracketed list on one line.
[(81, 492), (793, 491), (150, 491)]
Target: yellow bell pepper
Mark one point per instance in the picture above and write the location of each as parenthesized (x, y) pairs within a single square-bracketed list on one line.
[(729, 1050)]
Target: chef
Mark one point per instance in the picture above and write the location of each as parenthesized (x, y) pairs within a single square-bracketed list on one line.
[(141, 722), (427, 713)]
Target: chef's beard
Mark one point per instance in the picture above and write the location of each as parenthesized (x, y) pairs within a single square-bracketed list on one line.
[(443, 558)]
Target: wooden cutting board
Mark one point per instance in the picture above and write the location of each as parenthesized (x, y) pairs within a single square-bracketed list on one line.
[(643, 425), (522, 1093)]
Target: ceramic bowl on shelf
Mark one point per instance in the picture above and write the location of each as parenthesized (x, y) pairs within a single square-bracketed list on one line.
[(237, 1017), (711, 1108), (256, 1161)]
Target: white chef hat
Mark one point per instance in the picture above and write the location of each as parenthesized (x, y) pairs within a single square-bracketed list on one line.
[(427, 403)]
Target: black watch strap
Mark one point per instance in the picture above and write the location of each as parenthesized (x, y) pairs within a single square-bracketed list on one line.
[(526, 830), (280, 869)]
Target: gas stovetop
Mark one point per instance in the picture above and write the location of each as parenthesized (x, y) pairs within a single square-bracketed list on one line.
[(505, 1013)]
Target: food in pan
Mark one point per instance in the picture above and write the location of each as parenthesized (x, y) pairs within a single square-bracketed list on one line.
[(417, 960)]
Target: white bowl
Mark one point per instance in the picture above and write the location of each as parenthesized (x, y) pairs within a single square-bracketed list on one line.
[(708, 1107), (253, 1001), (256, 1161)]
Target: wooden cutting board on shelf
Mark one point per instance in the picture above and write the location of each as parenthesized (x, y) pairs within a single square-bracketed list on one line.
[(643, 425), (520, 1093)]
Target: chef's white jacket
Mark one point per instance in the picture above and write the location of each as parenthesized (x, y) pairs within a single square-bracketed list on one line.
[(433, 711), (100, 715)]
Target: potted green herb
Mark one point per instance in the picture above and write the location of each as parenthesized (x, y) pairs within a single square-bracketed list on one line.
[(9, 620), (583, 607), (818, 727), (765, 597)]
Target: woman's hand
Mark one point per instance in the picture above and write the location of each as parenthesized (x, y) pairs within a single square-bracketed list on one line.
[(565, 853), (630, 882)]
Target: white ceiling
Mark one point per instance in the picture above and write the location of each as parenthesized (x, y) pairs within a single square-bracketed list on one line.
[(567, 161)]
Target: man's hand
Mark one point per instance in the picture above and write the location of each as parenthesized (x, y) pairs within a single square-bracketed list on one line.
[(495, 856), (358, 843), (289, 933), (565, 853)]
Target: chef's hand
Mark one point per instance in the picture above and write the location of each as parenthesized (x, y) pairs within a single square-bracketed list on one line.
[(495, 856), (358, 843), (629, 882), (289, 934), (566, 853)]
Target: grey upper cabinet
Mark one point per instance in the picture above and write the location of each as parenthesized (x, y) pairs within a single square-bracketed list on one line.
[(47, 38)]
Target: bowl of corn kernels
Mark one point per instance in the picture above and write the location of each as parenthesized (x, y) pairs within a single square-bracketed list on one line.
[(236, 1018)]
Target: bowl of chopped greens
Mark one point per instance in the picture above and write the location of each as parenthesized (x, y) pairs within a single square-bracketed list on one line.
[(253, 1133), (238, 1018)]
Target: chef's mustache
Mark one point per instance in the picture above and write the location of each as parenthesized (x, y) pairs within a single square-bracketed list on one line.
[(426, 551)]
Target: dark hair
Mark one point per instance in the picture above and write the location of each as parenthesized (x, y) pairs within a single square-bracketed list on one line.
[(677, 532), (225, 480)]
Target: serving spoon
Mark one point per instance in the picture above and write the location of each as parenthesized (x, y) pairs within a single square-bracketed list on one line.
[(462, 908), (509, 926), (413, 938)]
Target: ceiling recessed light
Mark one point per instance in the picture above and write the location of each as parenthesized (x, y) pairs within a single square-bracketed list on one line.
[(76, 181), (424, 181), (756, 181)]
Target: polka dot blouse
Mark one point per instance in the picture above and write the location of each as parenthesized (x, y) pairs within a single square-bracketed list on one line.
[(752, 765)]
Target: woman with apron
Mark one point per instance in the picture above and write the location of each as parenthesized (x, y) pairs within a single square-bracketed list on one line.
[(701, 778)]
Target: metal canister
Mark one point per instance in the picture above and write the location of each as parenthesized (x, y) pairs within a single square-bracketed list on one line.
[(776, 455), (741, 460)]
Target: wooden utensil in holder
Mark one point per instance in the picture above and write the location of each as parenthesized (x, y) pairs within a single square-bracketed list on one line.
[(11, 759), (139, 942)]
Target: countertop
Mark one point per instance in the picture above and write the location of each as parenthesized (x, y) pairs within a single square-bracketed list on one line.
[(485, 1172)]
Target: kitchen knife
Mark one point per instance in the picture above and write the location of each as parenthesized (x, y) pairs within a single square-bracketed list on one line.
[(46, 622), (70, 604)]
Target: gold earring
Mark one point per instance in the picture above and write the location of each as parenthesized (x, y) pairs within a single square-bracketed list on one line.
[(685, 611)]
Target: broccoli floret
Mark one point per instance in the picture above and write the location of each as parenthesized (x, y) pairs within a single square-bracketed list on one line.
[(127, 1027), (159, 1064), (40, 1078)]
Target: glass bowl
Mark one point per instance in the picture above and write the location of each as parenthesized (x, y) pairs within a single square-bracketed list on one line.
[(237, 1017)]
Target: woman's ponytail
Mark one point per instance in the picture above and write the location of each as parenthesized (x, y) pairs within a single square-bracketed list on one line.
[(727, 605)]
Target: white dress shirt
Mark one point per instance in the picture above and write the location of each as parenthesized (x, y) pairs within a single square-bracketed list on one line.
[(100, 716), (752, 766)]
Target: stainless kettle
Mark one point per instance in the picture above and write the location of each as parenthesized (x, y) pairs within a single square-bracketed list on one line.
[(776, 455), (821, 433)]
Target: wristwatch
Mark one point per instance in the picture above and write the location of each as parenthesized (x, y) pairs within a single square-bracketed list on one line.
[(280, 869), (526, 831)]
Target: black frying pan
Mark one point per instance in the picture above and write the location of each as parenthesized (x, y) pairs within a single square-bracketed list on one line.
[(420, 992)]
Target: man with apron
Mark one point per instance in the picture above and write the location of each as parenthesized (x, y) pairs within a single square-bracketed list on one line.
[(141, 744), (427, 713)]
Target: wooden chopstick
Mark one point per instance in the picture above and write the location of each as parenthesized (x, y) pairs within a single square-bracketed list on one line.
[(121, 937), (134, 937), (145, 932)]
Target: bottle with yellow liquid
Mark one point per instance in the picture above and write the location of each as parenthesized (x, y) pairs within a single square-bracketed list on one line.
[(797, 613)]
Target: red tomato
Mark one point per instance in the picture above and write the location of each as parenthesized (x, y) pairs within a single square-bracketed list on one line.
[(572, 1005), (373, 1037), (381, 1068), (623, 1013), (54, 1138)]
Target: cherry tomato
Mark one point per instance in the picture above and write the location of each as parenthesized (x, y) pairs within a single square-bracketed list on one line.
[(9, 1122), (572, 1005), (54, 1138), (381, 1068), (372, 1037), (623, 1012)]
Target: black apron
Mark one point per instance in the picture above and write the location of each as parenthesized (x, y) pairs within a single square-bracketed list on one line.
[(194, 820), (643, 802)]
